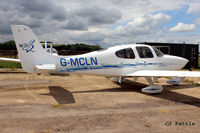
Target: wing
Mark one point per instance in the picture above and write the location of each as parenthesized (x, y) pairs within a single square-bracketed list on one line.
[(163, 73), (10, 60)]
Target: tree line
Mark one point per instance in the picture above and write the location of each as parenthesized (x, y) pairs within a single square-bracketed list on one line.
[(10, 45)]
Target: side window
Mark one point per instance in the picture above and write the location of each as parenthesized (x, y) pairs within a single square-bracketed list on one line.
[(144, 52), (125, 53)]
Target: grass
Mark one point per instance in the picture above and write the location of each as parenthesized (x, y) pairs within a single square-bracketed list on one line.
[(5, 64)]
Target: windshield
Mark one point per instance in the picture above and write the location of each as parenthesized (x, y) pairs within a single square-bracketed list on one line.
[(158, 52)]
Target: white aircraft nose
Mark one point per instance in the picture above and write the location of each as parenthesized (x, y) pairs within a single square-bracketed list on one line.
[(181, 62), (176, 62), (185, 61)]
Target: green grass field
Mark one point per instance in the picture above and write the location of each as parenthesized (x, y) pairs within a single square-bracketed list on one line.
[(5, 64)]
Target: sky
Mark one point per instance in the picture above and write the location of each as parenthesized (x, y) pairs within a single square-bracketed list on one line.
[(104, 22)]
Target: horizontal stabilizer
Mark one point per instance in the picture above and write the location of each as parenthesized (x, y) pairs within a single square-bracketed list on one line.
[(163, 73), (45, 68), (10, 60)]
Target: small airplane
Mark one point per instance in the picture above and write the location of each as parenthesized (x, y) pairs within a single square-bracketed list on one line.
[(119, 61)]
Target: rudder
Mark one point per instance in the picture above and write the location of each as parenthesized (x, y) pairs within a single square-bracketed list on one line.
[(30, 51)]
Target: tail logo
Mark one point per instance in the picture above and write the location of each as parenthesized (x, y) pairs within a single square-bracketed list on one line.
[(27, 46)]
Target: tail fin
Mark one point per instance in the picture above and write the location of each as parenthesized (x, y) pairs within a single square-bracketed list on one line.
[(30, 51)]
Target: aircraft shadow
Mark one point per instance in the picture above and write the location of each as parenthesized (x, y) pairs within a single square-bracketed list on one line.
[(167, 94), (61, 95)]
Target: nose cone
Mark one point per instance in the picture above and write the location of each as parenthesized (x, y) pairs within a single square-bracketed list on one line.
[(174, 62), (183, 61), (179, 62)]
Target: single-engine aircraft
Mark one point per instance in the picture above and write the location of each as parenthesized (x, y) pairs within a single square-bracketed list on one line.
[(118, 61)]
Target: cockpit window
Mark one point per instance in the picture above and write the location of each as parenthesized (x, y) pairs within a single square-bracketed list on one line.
[(144, 52), (125, 53), (158, 52)]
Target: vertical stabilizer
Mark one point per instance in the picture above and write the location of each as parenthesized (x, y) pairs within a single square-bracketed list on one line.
[(30, 51)]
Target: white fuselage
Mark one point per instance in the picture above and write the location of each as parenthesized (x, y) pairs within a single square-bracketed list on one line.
[(105, 62), (114, 61)]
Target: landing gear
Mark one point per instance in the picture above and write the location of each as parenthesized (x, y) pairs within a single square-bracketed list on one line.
[(153, 88), (35, 69), (176, 81), (120, 80), (117, 79)]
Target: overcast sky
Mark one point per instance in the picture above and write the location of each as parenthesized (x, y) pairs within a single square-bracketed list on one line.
[(104, 22)]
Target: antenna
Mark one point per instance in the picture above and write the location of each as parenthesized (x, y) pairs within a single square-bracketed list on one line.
[(45, 45)]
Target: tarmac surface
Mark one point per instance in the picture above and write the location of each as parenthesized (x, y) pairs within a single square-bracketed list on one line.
[(94, 104)]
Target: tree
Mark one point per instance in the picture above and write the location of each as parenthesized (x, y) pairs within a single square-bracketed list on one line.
[(9, 45)]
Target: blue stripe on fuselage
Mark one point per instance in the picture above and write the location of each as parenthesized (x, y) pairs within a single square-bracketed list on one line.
[(105, 66)]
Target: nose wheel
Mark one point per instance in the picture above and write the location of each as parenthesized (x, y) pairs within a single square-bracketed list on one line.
[(176, 81)]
